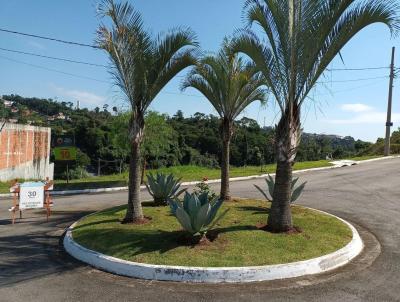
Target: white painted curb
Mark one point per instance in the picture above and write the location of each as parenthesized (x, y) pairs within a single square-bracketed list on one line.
[(217, 274)]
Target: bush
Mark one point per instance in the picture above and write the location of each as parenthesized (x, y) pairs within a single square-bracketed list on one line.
[(195, 158), (75, 173), (204, 188)]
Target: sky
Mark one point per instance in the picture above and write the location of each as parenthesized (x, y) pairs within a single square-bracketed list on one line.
[(345, 103)]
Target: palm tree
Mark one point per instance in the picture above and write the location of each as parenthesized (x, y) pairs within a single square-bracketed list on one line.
[(302, 37), (141, 66), (230, 85)]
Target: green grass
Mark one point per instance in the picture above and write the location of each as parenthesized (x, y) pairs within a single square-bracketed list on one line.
[(239, 243), (187, 173), (364, 157)]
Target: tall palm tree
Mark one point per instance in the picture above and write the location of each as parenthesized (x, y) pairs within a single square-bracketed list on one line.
[(141, 66), (302, 37), (230, 85)]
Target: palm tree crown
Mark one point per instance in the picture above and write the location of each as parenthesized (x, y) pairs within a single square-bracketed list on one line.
[(229, 83), (304, 36), (141, 64)]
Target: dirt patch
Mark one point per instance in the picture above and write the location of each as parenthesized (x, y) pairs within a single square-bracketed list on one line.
[(211, 239), (145, 220), (293, 231)]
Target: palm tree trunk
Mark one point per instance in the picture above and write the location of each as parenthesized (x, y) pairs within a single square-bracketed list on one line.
[(280, 216), (288, 134), (227, 131), (134, 212)]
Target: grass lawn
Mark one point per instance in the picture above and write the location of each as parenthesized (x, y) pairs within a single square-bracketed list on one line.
[(187, 173), (239, 241)]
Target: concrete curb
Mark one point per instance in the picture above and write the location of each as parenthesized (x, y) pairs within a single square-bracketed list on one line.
[(218, 274), (191, 183)]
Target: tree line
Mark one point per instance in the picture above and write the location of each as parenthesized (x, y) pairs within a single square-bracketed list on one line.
[(171, 140)]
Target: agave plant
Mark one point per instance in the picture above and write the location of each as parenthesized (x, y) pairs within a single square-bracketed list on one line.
[(196, 213), (163, 187), (295, 192)]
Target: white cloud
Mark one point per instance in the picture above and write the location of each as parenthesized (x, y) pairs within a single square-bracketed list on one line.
[(356, 107), (372, 117), (85, 97)]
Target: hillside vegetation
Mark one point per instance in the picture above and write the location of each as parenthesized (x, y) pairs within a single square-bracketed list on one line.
[(170, 141)]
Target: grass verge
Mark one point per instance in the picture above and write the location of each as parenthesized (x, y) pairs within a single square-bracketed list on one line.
[(187, 173), (239, 241)]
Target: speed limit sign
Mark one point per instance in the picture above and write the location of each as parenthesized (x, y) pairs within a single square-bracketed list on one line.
[(31, 195)]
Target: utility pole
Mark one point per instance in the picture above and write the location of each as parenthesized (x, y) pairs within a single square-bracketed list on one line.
[(389, 123)]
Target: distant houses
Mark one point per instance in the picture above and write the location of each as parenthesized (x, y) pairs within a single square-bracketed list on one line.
[(59, 116), (7, 104)]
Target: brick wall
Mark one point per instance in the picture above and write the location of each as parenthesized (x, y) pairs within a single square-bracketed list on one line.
[(24, 152)]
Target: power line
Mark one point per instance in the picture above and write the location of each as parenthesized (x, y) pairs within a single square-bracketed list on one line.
[(356, 69), (165, 92), (83, 77), (54, 70), (350, 89), (48, 38), (53, 58), (354, 80)]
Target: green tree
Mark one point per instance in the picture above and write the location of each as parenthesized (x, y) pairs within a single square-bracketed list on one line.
[(141, 65), (302, 37), (230, 85), (157, 138)]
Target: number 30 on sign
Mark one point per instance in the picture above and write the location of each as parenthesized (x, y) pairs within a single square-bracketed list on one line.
[(65, 153), (31, 195)]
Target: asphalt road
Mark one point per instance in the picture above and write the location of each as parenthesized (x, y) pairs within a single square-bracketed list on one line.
[(34, 267)]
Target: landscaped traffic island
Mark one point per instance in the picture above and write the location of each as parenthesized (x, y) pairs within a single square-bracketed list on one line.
[(161, 250)]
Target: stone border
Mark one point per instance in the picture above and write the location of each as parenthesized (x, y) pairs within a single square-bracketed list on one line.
[(217, 274)]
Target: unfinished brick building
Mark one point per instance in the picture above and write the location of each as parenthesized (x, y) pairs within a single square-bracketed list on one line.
[(24, 152)]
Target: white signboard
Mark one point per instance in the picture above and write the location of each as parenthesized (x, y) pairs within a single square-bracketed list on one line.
[(31, 195)]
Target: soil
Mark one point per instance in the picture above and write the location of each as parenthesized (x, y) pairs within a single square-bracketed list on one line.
[(197, 241), (145, 220), (293, 231)]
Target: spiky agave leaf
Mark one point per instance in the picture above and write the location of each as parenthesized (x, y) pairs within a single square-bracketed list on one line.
[(263, 193), (297, 192), (201, 217), (184, 220), (271, 185)]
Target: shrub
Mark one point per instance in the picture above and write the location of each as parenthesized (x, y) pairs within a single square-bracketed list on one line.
[(75, 173), (163, 187), (204, 188), (196, 213), (296, 192)]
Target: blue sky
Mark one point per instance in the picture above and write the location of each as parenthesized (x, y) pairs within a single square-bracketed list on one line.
[(354, 108)]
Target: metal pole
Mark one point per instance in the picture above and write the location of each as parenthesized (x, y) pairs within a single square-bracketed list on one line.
[(389, 123), (98, 167)]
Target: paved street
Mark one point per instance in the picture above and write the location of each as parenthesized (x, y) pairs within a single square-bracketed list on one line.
[(33, 266)]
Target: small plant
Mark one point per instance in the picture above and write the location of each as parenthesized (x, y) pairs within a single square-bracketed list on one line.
[(197, 212), (163, 188), (203, 187), (296, 192)]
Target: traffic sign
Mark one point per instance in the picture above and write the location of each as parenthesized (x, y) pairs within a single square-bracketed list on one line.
[(65, 153), (31, 195)]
